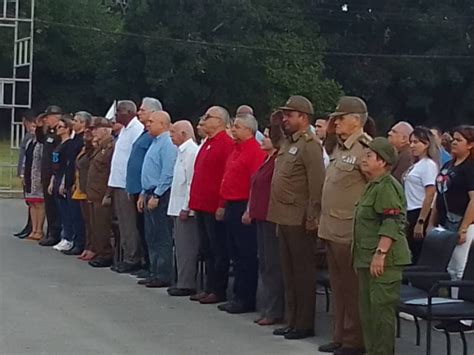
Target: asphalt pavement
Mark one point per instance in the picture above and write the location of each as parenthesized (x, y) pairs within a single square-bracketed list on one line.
[(55, 304)]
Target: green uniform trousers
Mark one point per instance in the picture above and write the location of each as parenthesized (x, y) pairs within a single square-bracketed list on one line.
[(378, 301)]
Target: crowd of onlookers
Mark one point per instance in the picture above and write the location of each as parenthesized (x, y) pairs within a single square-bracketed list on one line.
[(234, 197)]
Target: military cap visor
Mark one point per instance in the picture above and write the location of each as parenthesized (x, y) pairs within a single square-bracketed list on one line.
[(298, 103), (53, 110), (349, 105)]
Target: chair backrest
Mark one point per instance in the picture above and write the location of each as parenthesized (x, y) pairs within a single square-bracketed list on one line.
[(467, 293), (438, 246)]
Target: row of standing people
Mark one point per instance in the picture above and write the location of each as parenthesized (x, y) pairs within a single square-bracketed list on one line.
[(223, 210)]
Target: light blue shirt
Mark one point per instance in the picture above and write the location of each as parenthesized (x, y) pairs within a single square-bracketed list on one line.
[(157, 170), (444, 156)]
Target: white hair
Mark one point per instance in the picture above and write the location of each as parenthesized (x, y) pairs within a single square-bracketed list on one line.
[(223, 114), (84, 116), (248, 121), (152, 104), (406, 128)]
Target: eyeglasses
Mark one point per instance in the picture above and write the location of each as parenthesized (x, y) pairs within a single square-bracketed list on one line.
[(207, 116)]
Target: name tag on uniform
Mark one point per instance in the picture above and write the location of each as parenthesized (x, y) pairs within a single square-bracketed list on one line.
[(293, 150), (49, 140), (349, 159)]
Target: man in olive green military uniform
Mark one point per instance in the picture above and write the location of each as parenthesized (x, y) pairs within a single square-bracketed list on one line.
[(295, 206), (380, 248), (342, 189)]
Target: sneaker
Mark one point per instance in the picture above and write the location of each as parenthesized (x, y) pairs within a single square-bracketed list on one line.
[(59, 245), (406, 316), (66, 246), (458, 327)]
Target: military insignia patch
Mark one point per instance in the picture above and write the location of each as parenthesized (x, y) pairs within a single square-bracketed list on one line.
[(293, 150)]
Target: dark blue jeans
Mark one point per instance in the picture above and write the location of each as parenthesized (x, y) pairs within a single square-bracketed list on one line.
[(159, 239), (71, 221)]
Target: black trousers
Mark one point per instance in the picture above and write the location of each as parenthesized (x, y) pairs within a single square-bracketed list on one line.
[(52, 216), (213, 249), (415, 245), (242, 241)]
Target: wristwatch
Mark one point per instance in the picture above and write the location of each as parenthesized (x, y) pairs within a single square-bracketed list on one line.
[(155, 196), (380, 252), (421, 221)]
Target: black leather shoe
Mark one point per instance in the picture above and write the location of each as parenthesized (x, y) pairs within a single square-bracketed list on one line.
[(329, 348), (126, 268), (299, 334), (180, 292), (157, 283), (282, 331), (23, 236), (349, 351), (223, 306), (48, 242), (142, 274), (239, 308), (27, 230), (99, 262), (73, 251), (145, 281)]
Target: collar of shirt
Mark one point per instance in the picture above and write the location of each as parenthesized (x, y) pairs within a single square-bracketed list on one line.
[(218, 136), (240, 146), (297, 135), (380, 178), (350, 141), (185, 145), (132, 123), (404, 149), (161, 137)]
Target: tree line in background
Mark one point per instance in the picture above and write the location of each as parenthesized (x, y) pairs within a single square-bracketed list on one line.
[(409, 59)]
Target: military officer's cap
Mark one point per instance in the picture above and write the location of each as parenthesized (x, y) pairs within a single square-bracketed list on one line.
[(53, 110), (348, 105), (98, 122), (298, 103), (384, 149)]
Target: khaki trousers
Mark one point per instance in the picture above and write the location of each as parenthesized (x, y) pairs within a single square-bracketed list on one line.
[(298, 263), (101, 222), (345, 296)]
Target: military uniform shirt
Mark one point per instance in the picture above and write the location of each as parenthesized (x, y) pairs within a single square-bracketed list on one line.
[(381, 212), (342, 189), (297, 181)]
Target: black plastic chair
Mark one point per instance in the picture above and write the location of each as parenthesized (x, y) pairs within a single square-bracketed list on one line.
[(447, 311), (431, 267)]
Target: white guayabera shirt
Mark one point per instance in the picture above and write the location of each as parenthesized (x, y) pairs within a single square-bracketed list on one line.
[(182, 177)]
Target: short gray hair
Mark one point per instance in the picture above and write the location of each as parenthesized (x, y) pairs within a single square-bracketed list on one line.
[(223, 114), (128, 106), (248, 121), (84, 116), (152, 104), (363, 117)]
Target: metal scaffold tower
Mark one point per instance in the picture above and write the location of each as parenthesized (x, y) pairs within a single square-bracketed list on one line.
[(17, 25)]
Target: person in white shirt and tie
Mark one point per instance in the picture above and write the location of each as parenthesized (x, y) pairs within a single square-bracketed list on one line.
[(185, 231)]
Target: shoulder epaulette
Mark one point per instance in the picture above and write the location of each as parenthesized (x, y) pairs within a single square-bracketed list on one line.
[(308, 137), (365, 139)]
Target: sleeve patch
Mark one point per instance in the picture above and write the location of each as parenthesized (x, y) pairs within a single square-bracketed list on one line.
[(391, 212)]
